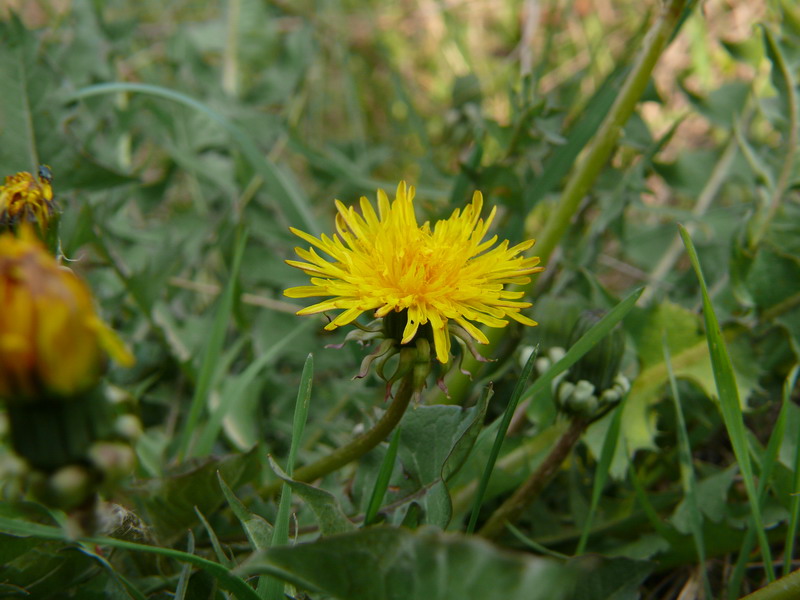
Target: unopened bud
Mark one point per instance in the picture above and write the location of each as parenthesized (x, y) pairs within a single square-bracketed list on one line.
[(599, 365), (113, 459), (579, 398), (128, 427), (67, 488)]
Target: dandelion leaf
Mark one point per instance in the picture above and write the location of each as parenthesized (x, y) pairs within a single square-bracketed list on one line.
[(386, 563)]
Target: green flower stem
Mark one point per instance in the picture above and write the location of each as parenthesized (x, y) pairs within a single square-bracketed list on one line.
[(359, 446), (589, 168), (785, 588), (513, 508)]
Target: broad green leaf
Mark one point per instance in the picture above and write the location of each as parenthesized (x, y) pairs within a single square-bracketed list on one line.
[(383, 563), (434, 443), (326, 508), (609, 578), (25, 87), (30, 128), (170, 500), (712, 500), (773, 275), (256, 528)]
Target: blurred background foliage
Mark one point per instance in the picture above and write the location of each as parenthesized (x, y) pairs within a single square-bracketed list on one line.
[(223, 123)]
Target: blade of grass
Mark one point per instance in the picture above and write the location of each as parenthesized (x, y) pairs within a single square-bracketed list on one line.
[(766, 465), (688, 478), (729, 403), (650, 512), (601, 474), (123, 582), (276, 179), (270, 587), (227, 580), (500, 437), (791, 532), (212, 535), (213, 349), (186, 571), (382, 481), (533, 545)]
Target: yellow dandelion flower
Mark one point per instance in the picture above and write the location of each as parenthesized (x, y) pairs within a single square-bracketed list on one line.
[(24, 198), (52, 343), (438, 276)]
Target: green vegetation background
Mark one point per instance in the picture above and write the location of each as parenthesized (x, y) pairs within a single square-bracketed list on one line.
[(185, 138)]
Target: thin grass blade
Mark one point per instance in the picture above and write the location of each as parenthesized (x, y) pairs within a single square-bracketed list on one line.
[(601, 474), (222, 558), (534, 545), (729, 403), (186, 571), (382, 481), (791, 533), (269, 587), (500, 437), (688, 478), (213, 350)]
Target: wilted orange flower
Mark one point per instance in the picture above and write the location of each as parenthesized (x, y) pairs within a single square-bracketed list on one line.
[(25, 199), (52, 343), (447, 277)]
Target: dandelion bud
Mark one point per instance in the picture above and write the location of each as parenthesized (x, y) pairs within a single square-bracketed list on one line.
[(27, 199), (578, 398), (67, 488), (52, 343), (601, 364)]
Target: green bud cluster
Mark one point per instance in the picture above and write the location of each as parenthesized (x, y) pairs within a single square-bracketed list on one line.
[(594, 383)]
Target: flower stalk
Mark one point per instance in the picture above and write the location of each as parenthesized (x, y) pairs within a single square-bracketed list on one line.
[(513, 507), (360, 445)]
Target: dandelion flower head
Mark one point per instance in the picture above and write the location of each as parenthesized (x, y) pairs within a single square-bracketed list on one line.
[(25, 198), (442, 275), (52, 343)]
